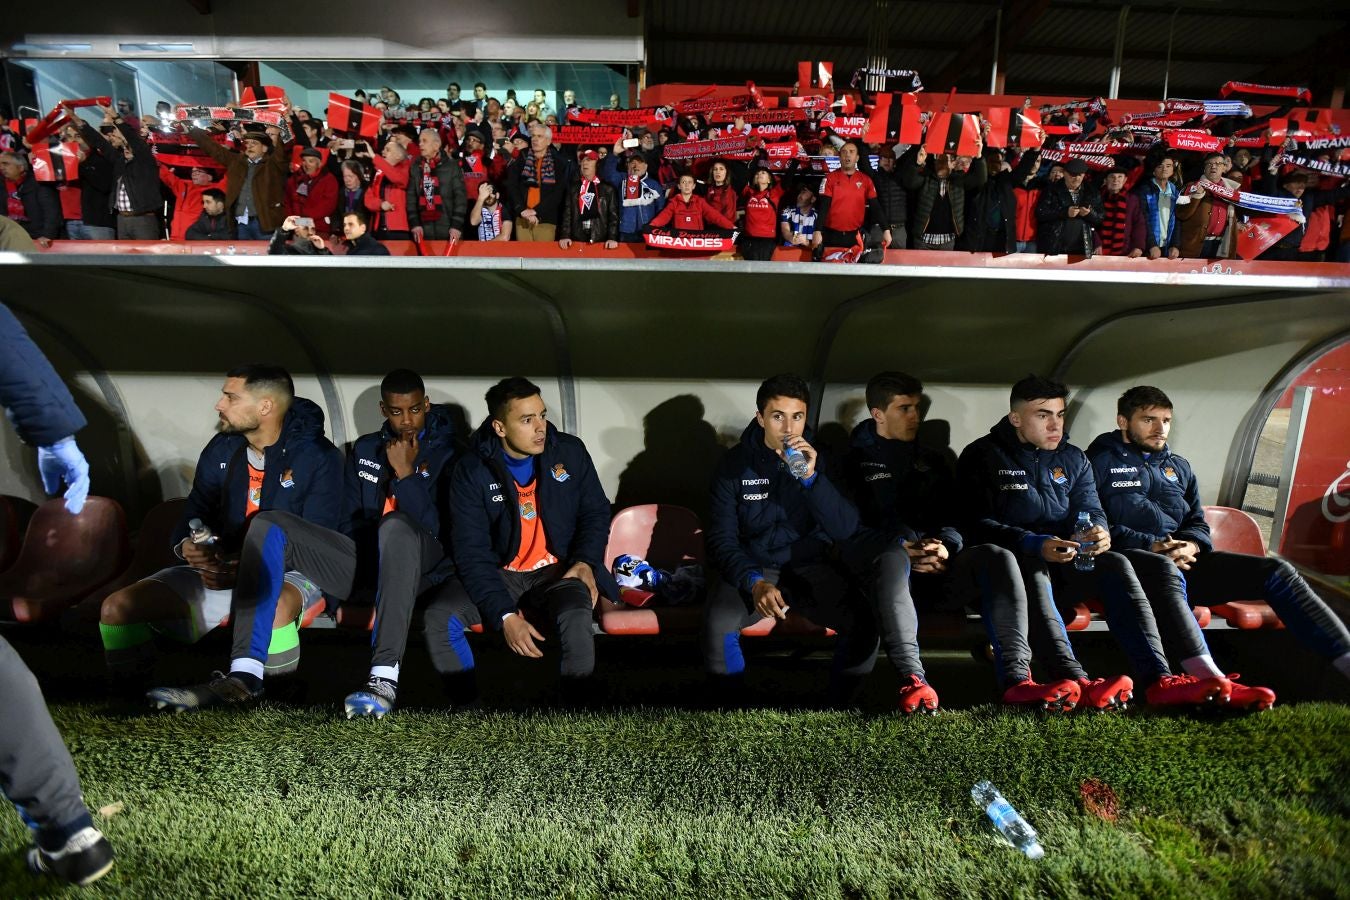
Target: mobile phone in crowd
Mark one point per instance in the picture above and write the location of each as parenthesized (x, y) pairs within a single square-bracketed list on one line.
[(304, 222), (630, 143)]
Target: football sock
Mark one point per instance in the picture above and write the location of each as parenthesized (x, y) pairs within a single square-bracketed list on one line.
[(1202, 667)]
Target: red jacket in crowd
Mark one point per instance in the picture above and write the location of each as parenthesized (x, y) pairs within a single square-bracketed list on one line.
[(390, 186), (187, 201), (314, 196), (761, 211), (723, 199), (690, 215)]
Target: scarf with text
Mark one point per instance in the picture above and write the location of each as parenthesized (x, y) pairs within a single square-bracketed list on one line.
[(1300, 96), (1255, 202), (1093, 160), (222, 114), (1334, 169), (731, 147), (429, 197), (1198, 141), (1094, 106), (586, 134), (647, 117), (690, 241), (1212, 108), (894, 81)]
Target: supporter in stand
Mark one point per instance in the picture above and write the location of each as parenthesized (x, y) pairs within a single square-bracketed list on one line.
[(847, 197), (1069, 211), (991, 209), (214, 223), (1206, 222), (352, 194), (31, 203), (940, 201), (1159, 213), (798, 223), (312, 192), (721, 193), (891, 197), (187, 196), (355, 229), (1026, 194), (134, 198), (387, 197), (687, 211), (535, 183), (298, 236), (1317, 230), (436, 202), (641, 197), (590, 207), (1295, 184), (95, 221), (490, 217), (1122, 231), (479, 100), (760, 201), (255, 181)]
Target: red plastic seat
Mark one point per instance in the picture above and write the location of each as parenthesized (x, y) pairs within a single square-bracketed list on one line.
[(1082, 618), (667, 537), (1236, 532), (65, 558), (151, 551)]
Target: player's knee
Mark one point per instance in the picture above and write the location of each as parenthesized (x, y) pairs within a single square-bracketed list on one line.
[(118, 608), (396, 526)]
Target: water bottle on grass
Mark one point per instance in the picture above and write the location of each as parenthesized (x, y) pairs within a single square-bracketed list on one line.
[(1007, 820)]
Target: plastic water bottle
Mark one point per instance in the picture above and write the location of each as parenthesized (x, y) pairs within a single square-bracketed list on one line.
[(1081, 533), (200, 533), (796, 460), (1007, 820)]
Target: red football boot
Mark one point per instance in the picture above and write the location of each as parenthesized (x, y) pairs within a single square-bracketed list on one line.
[(917, 696), (1106, 693), (1057, 696), (1187, 690), (1246, 696)]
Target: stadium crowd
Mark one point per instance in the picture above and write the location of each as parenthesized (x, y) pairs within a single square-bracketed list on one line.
[(1186, 182)]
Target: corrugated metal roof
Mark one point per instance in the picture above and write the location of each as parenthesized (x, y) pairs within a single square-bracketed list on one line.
[(1071, 42)]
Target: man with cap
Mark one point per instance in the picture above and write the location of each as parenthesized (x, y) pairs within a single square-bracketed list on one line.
[(1122, 231), (255, 181), (312, 192), (640, 196), (1068, 212), (590, 207), (187, 196)]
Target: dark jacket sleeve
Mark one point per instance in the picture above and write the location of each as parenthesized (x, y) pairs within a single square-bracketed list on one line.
[(353, 511), (1136, 232), (1083, 495), (202, 498), (612, 212), (323, 500), (477, 564), (1194, 527), (723, 531), (98, 143), (208, 145), (908, 173), (454, 200), (515, 190), (567, 220), (46, 210), (416, 496), (977, 509), (37, 401), (591, 535), (195, 232), (831, 509)]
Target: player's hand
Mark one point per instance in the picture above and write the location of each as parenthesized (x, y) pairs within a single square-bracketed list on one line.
[(199, 556), (582, 572), (520, 636), (221, 575), (402, 455), (1182, 553), (1102, 541), (1057, 550), (799, 443), (769, 601)]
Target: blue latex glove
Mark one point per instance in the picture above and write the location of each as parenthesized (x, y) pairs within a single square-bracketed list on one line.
[(63, 462)]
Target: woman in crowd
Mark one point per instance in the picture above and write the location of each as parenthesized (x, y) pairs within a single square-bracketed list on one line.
[(721, 192), (760, 204)]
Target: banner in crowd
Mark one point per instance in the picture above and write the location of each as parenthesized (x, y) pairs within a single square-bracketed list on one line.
[(646, 117), (1093, 160), (1009, 128), (895, 118), (1266, 93), (1324, 143), (774, 132), (752, 99), (957, 133), (224, 114), (1094, 106), (353, 117), (893, 81), (1212, 108), (1112, 148), (760, 116), (1198, 141), (1334, 169), (695, 241), (815, 76), (267, 96), (847, 127), (1156, 120), (1259, 233), (586, 134), (730, 146), (1261, 203), (56, 161)]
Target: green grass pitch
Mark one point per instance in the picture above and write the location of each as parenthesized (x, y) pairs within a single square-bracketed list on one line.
[(283, 802)]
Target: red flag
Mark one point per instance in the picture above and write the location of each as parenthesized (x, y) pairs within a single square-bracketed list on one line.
[(957, 133), (1009, 128), (815, 76), (1260, 233), (55, 162), (349, 115), (891, 121), (267, 96)]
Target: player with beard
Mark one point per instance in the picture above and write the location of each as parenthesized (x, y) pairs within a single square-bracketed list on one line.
[(269, 470)]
